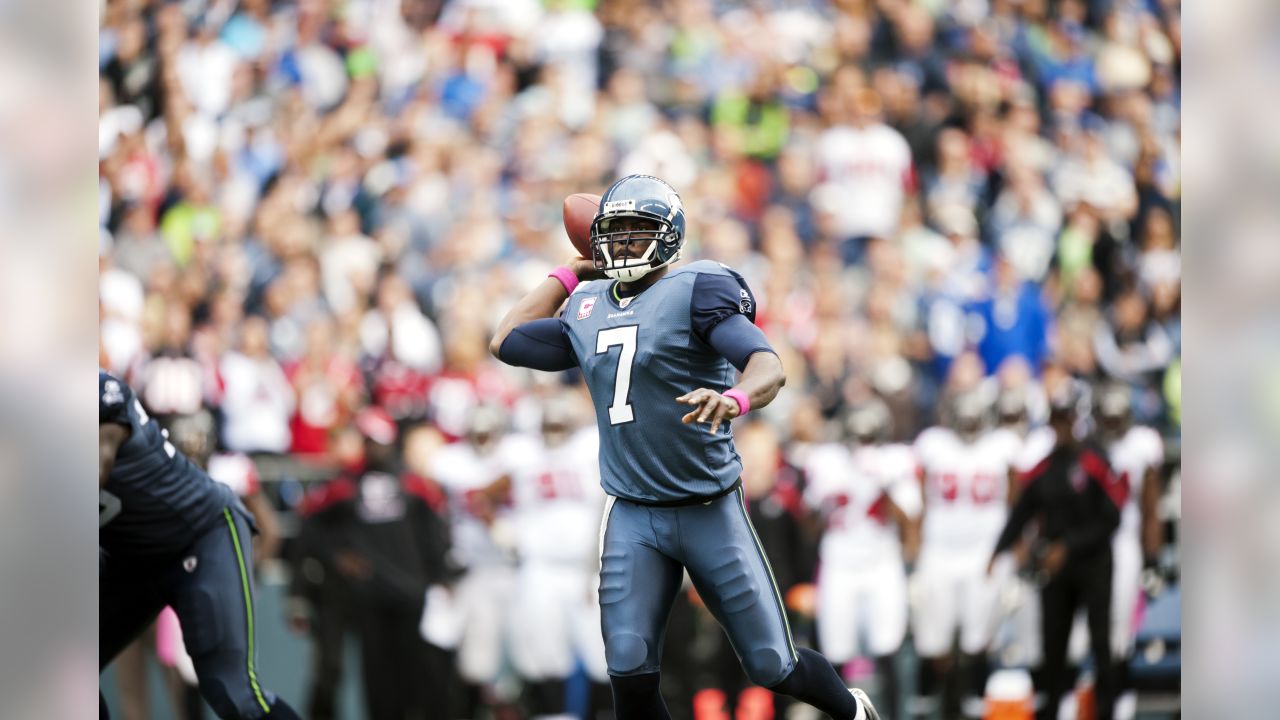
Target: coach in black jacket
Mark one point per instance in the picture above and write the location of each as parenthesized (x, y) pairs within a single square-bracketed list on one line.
[(1077, 499)]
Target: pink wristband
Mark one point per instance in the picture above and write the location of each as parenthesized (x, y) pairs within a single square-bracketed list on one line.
[(744, 403), (566, 277)]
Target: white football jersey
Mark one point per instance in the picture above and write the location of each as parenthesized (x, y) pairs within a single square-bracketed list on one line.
[(463, 473), (848, 488), (558, 499), (966, 487), (236, 471), (1036, 447), (1131, 457), (867, 170)]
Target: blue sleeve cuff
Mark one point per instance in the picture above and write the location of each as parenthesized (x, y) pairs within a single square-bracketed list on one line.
[(540, 345), (736, 339)]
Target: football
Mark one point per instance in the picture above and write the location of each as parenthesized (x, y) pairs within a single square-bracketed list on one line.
[(579, 211)]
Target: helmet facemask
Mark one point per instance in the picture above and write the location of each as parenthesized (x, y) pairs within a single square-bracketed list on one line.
[(609, 241)]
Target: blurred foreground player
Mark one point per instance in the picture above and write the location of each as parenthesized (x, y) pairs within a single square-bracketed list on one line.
[(169, 535), (195, 435), (1077, 499), (652, 339)]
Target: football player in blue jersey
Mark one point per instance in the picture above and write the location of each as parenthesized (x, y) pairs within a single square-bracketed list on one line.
[(658, 347), (170, 535)]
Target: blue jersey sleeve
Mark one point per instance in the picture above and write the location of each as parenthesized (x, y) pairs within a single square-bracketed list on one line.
[(540, 345), (737, 339), (113, 397), (723, 313)]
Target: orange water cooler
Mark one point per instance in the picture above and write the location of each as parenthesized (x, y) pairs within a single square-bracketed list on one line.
[(1010, 696)]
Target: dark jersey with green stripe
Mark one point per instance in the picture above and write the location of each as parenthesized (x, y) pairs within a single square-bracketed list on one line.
[(156, 502)]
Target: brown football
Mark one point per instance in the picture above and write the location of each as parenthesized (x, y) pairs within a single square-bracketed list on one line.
[(579, 211)]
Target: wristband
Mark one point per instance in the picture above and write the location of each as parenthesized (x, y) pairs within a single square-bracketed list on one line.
[(566, 277), (744, 403)]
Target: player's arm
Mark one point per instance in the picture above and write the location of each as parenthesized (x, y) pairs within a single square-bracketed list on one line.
[(267, 543), (1023, 510), (908, 527), (906, 503), (1013, 479), (1150, 499), (529, 335), (722, 313), (110, 437)]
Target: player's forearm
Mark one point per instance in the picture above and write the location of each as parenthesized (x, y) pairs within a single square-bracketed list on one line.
[(110, 437), (268, 542), (541, 302), (762, 378), (106, 458), (1151, 531)]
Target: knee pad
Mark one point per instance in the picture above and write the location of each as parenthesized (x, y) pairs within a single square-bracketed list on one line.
[(765, 667), (625, 652)]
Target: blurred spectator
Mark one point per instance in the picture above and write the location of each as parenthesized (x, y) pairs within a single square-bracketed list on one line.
[(328, 387), (1129, 344), (864, 165), (1013, 320), (257, 399)]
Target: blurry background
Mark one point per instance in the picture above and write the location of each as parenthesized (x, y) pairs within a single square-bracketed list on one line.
[(309, 208)]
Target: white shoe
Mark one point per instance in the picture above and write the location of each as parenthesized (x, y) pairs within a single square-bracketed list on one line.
[(868, 711)]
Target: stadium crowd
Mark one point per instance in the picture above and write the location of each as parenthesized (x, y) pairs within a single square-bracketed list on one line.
[(310, 209)]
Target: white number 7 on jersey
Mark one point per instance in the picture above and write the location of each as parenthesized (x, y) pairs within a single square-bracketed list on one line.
[(620, 411)]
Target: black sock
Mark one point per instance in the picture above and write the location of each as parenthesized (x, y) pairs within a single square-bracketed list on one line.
[(545, 697), (637, 697), (949, 682), (280, 710), (888, 703), (928, 685), (976, 668), (601, 701), (816, 682)]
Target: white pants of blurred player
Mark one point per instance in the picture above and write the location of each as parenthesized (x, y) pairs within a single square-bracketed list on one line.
[(951, 590), (864, 601), (555, 620), (483, 597)]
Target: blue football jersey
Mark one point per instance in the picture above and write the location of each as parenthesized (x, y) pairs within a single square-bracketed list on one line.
[(156, 502), (638, 354)]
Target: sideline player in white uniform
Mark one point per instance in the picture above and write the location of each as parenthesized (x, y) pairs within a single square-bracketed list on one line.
[(558, 506), (476, 474), (968, 480), (869, 500)]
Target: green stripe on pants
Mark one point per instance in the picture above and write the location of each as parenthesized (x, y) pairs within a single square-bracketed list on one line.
[(782, 608), (248, 609)]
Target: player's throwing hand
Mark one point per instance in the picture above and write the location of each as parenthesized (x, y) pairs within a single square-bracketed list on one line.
[(709, 405)]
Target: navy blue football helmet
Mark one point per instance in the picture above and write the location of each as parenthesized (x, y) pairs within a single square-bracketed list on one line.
[(641, 197)]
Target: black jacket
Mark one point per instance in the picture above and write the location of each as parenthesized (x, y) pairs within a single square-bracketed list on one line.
[(1077, 498)]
